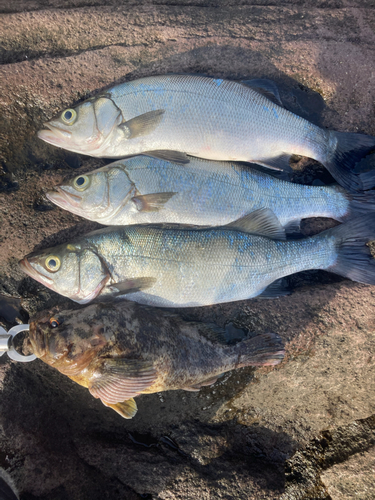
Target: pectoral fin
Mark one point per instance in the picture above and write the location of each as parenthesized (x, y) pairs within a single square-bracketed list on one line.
[(262, 222), (169, 155), (266, 87), (280, 162), (152, 202), (132, 285), (118, 380), (127, 409), (143, 124)]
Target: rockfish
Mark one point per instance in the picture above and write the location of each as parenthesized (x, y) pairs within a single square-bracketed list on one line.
[(210, 118), (184, 267), (122, 349), (205, 193)]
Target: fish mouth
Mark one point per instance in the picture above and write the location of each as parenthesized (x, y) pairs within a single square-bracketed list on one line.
[(54, 135), (61, 198), (27, 268), (37, 339)]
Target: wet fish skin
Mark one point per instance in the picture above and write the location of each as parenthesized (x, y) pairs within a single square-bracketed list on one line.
[(205, 117), (120, 350), (143, 190), (175, 267)]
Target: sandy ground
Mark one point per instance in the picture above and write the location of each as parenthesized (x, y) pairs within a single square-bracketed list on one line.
[(303, 430)]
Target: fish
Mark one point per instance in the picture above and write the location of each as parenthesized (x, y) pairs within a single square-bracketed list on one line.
[(171, 116), (169, 266), (143, 190), (121, 350)]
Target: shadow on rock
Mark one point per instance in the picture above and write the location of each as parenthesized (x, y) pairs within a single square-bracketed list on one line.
[(53, 425)]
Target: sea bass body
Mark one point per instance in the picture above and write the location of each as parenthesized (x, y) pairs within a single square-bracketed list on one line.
[(206, 193), (173, 267), (121, 350), (204, 117)]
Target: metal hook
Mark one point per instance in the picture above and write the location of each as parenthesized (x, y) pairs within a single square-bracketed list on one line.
[(6, 343)]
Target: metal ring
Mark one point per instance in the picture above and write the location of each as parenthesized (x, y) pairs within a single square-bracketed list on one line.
[(12, 353)]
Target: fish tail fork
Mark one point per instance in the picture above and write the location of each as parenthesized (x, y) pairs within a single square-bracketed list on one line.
[(354, 258), (263, 350), (345, 150)]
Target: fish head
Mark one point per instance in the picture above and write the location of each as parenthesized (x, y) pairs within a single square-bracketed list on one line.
[(68, 340), (97, 195), (72, 270), (85, 128)]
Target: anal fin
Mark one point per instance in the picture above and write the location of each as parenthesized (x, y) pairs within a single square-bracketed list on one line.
[(276, 289), (293, 227), (280, 162), (204, 383)]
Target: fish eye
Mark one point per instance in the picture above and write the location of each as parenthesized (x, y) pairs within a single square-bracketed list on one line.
[(52, 263), (81, 182), (69, 116), (55, 322)]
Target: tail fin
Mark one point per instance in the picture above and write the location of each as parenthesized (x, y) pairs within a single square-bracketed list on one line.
[(354, 258), (360, 204), (263, 350), (350, 149)]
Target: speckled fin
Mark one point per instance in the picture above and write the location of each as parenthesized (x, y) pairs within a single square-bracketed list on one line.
[(266, 87), (169, 155), (132, 285), (280, 162), (127, 409), (118, 380), (262, 222), (143, 124), (151, 202), (276, 289)]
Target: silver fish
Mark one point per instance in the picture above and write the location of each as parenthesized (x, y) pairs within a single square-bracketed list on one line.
[(176, 267), (121, 350), (205, 117), (143, 190)]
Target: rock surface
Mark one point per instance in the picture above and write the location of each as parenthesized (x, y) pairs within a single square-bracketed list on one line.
[(301, 431)]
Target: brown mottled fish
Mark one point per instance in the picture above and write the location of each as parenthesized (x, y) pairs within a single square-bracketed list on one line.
[(121, 350)]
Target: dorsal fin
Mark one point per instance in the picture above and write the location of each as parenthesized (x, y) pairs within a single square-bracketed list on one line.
[(262, 222), (266, 87)]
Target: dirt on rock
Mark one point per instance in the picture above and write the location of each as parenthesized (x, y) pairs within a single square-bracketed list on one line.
[(302, 430)]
